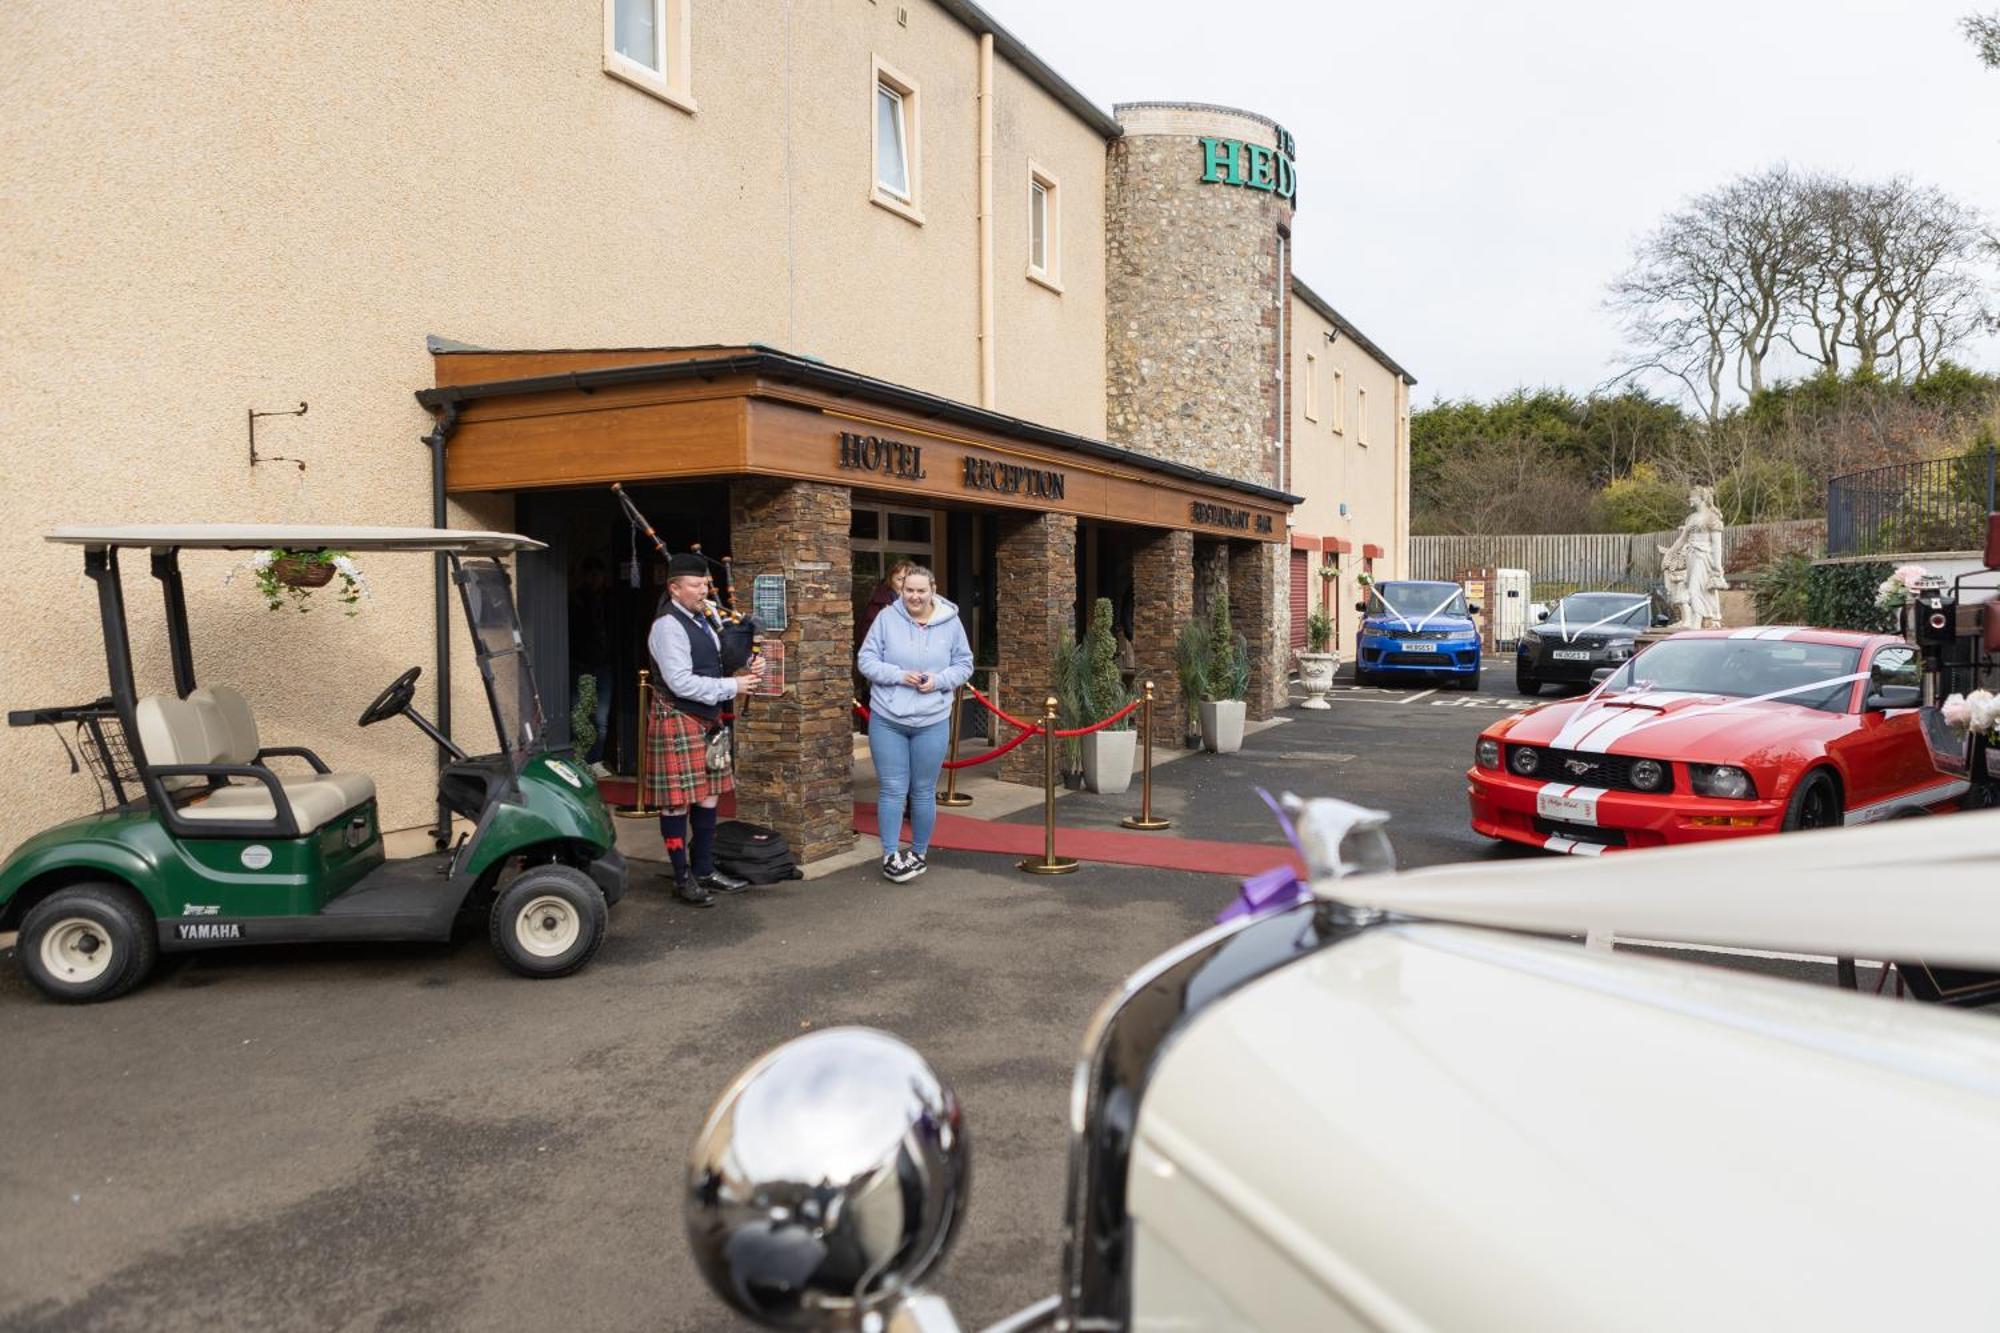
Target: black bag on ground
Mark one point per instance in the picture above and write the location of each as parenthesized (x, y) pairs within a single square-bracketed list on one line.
[(755, 853)]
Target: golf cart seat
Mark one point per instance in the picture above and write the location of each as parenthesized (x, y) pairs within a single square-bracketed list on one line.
[(181, 732), (231, 730)]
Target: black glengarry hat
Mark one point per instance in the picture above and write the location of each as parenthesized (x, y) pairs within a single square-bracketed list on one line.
[(687, 564)]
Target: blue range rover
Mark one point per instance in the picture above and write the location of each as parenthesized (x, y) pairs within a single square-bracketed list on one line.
[(1413, 628)]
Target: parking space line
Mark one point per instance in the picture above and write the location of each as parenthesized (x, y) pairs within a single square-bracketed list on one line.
[(1412, 698)]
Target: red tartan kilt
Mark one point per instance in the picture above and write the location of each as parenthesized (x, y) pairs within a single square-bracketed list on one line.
[(677, 760)]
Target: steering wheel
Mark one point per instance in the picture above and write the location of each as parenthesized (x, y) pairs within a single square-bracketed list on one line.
[(393, 700)]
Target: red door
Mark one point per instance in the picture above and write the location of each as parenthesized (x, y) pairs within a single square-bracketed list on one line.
[(1301, 600)]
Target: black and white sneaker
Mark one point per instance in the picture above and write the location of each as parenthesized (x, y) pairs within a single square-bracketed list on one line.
[(913, 863), (898, 867)]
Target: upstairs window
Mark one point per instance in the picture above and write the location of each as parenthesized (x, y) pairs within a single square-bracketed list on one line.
[(897, 151), (646, 44), (1361, 417), (1309, 399), (1339, 400), (1044, 228)]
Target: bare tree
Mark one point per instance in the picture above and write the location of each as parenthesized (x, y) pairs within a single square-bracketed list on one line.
[(1511, 484), (1882, 278), (1893, 277), (1710, 293), (1983, 31)]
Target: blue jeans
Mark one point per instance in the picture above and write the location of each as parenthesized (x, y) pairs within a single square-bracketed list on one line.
[(907, 763)]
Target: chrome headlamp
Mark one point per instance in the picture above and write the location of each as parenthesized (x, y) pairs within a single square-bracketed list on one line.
[(1722, 780)]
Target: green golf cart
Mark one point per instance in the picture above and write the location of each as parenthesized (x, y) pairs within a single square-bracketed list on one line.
[(202, 843)]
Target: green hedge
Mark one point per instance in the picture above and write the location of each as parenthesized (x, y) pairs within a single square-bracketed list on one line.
[(1843, 597)]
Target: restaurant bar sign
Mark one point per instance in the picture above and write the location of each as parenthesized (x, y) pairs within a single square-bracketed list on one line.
[(1222, 516), (1251, 165)]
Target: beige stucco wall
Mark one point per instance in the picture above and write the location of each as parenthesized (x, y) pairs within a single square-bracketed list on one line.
[(1331, 465), (274, 204)]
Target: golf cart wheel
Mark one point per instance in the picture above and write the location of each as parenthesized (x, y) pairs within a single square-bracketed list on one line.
[(87, 942), (1526, 684), (1816, 804), (548, 922)]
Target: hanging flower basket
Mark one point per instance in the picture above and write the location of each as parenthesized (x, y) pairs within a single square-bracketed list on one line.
[(288, 578), (297, 571)]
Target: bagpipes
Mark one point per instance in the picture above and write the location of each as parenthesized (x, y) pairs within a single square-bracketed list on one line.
[(737, 631)]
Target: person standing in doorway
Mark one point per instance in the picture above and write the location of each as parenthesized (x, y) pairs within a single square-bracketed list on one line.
[(686, 726), (885, 594), (915, 657), (590, 650)]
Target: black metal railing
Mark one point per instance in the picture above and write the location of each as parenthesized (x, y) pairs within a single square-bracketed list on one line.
[(1939, 505)]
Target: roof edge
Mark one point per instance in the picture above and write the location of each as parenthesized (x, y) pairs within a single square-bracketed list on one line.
[(1017, 53), (1346, 326), (769, 361)]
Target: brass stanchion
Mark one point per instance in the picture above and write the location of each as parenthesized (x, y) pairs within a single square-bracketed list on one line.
[(640, 810), (951, 796), (1049, 864), (1144, 819)]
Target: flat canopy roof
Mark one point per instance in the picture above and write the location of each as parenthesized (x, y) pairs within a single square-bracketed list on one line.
[(291, 536)]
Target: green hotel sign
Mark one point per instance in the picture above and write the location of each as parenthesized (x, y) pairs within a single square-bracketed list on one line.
[(1251, 165)]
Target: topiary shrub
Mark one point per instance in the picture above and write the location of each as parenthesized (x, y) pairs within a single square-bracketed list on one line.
[(583, 718), (1104, 687)]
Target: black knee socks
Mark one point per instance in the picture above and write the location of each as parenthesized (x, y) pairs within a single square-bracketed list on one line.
[(673, 832), (702, 843)]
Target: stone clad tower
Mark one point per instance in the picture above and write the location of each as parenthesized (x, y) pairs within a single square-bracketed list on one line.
[(1198, 221)]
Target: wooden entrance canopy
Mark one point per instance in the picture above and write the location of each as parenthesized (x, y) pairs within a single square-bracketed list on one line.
[(528, 420)]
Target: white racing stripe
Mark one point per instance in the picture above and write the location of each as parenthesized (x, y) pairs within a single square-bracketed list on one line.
[(1943, 791), (1571, 847), (1734, 704)]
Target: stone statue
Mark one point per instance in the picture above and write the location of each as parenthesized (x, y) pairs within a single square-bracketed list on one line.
[(1691, 567)]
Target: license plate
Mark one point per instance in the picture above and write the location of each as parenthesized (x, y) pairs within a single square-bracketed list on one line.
[(1570, 655), (1419, 647), (1569, 809)]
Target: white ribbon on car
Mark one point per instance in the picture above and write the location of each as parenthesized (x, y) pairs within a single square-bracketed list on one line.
[(1808, 688), (1569, 635), (1426, 619)]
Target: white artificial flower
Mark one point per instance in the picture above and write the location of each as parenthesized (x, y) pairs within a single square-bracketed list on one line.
[(1954, 710)]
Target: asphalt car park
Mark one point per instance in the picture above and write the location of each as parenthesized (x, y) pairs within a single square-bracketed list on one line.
[(376, 1135)]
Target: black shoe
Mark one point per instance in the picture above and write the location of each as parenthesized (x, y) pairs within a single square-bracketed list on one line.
[(691, 892), (721, 881)]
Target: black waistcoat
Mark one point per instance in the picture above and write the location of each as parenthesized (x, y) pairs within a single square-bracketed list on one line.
[(706, 659)]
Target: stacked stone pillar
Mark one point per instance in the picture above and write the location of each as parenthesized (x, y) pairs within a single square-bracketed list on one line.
[(795, 754), (1037, 604), (1259, 610), (1162, 601)]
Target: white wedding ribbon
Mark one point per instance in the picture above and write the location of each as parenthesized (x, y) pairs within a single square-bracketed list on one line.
[(1426, 619), (1733, 704), (1569, 635)]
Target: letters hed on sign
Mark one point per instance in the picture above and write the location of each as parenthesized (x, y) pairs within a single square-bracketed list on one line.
[(767, 601)]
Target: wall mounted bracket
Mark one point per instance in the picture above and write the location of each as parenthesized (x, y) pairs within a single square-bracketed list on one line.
[(255, 458)]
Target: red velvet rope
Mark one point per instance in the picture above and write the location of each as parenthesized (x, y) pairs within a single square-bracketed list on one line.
[(1023, 732)]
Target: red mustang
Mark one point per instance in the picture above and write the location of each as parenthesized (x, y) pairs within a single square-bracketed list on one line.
[(1715, 734)]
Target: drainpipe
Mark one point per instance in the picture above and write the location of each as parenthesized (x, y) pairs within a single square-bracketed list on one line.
[(987, 395), (447, 421)]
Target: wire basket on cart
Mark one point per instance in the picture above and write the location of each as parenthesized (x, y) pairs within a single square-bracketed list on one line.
[(100, 736)]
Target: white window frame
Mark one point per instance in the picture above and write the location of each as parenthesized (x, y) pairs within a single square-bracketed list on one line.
[(1339, 401), (672, 82), (1049, 273), (1361, 417), (911, 97), (1309, 399)]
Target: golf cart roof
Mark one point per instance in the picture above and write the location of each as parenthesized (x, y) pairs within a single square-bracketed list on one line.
[(290, 536)]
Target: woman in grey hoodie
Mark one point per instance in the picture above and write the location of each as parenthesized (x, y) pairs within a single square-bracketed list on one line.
[(915, 657)]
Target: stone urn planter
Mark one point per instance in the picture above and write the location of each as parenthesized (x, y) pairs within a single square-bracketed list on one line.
[(1107, 761), (1222, 725), (1316, 677)]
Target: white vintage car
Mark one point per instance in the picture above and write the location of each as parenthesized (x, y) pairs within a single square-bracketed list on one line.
[(1404, 1105)]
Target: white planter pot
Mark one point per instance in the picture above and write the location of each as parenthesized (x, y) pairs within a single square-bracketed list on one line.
[(1316, 677), (1107, 760), (1222, 726)]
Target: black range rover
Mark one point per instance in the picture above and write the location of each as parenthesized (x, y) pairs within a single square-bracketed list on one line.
[(1584, 631)]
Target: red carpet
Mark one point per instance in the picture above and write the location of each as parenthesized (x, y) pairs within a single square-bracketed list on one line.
[(1161, 851)]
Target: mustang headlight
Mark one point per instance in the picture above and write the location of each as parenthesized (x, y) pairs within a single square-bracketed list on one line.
[(1525, 760), (1489, 753), (1648, 775), (1723, 780)]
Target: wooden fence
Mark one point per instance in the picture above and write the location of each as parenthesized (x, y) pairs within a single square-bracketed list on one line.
[(1605, 559)]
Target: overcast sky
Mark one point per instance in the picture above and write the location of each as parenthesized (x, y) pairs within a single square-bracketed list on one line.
[(1472, 173)]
